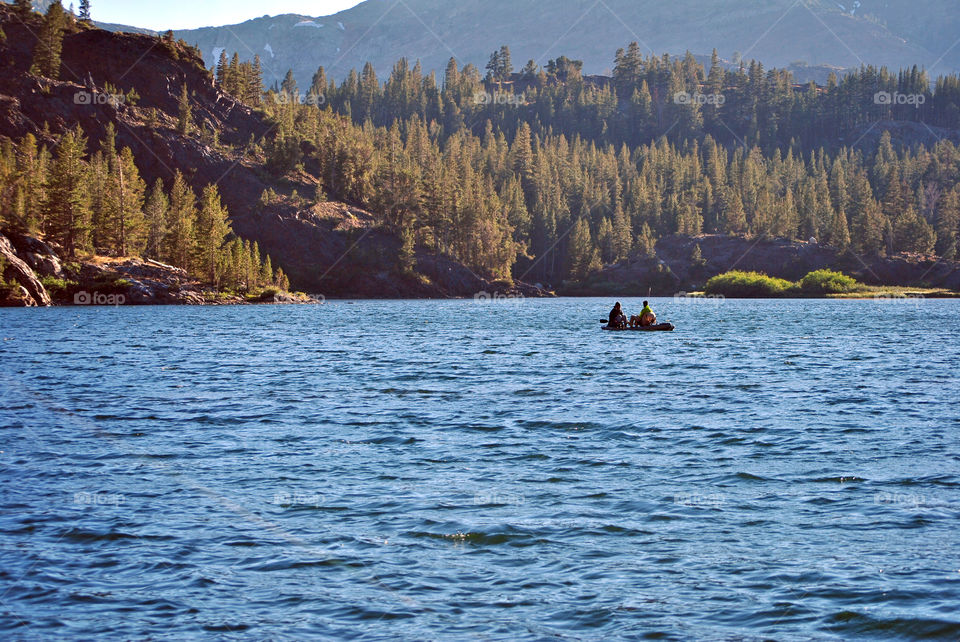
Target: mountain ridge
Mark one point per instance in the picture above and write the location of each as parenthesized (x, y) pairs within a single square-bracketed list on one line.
[(778, 32), (821, 35)]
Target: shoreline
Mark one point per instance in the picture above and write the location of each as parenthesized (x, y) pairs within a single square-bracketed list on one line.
[(882, 295)]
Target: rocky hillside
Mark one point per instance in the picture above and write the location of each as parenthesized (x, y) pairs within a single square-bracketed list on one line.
[(33, 274), (778, 32), (334, 249)]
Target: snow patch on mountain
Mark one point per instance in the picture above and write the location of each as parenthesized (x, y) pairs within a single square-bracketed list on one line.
[(268, 49), (308, 23)]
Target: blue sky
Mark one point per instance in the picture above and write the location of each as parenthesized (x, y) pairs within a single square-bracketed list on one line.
[(187, 14)]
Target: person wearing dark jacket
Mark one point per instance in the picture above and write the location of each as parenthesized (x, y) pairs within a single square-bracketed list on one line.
[(617, 318)]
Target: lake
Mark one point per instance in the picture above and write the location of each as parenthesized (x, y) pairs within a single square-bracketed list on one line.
[(463, 470)]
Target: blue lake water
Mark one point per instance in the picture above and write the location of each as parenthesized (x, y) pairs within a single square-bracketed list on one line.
[(454, 470)]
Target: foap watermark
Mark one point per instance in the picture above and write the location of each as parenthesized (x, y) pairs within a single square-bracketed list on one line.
[(686, 98), (682, 298), (497, 297), (312, 100), (98, 298), (499, 98), (98, 98), (98, 499), (698, 500), (900, 499), (485, 498), (899, 299), (297, 498), (896, 98)]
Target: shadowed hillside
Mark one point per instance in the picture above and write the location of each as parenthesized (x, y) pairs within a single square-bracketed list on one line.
[(329, 248)]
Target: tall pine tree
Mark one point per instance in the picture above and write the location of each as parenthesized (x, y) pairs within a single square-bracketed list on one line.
[(46, 55)]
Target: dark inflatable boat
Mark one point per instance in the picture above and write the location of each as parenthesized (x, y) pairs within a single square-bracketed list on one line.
[(660, 327)]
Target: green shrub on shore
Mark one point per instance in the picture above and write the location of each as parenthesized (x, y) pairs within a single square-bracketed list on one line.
[(269, 292), (759, 285), (57, 288), (747, 284), (828, 282)]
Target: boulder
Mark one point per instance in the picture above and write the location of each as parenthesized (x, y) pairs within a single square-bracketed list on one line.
[(28, 301), (16, 297), (16, 269), (45, 264), (37, 254), (141, 294)]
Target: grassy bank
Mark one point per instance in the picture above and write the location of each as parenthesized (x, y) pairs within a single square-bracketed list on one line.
[(818, 284)]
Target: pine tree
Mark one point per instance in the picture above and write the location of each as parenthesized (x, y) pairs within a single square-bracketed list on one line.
[(127, 189), (33, 163), (866, 219), (233, 266), (605, 240), (185, 119), (622, 236), (255, 82), (289, 86), (46, 55), (912, 233), (505, 70), (493, 67), (948, 223), (281, 281), (368, 93), (8, 186), (213, 227), (178, 246), (155, 211), (627, 69), (266, 272), (68, 197), (222, 67), (249, 270), (85, 10), (406, 257), (839, 235), (530, 70), (583, 257), (234, 80), (451, 77), (318, 88), (734, 217), (646, 242), (103, 203), (255, 266)]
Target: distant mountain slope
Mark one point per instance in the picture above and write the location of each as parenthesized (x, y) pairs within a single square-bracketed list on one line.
[(42, 5), (38, 5), (778, 32)]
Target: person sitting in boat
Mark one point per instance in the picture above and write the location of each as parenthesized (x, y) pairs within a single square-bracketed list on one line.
[(646, 318), (617, 318)]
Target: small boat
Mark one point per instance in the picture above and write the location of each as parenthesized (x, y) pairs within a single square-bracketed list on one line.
[(660, 327)]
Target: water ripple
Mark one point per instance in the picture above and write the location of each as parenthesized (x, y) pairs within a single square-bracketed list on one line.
[(460, 471)]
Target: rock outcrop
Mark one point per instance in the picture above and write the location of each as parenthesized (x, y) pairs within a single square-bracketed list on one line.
[(103, 280), (37, 254), (15, 269)]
